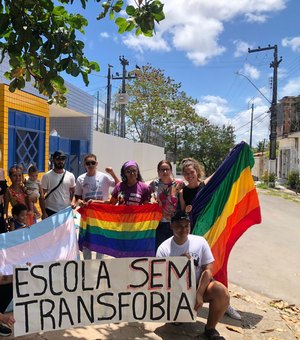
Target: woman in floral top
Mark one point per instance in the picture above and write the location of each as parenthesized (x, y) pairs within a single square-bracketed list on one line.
[(165, 191)]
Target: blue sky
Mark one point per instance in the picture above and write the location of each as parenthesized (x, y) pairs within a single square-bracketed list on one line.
[(202, 44)]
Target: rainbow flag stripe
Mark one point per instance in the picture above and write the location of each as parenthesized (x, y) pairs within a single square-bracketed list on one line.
[(119, 231), (227, 206)]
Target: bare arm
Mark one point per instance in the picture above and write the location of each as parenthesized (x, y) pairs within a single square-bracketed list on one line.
[(204, 281), (7, 319), (42, 202), (5, 209), (208, 179), (181, 200), (110, 171), (113, 201)]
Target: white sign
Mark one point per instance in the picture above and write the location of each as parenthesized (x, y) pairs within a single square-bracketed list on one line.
[(65, 294)]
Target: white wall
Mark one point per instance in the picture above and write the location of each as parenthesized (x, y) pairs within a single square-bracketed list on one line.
[(114, 151)]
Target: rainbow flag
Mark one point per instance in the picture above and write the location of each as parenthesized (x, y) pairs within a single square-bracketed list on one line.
[(52, 239), (119, 231), (227, 206)]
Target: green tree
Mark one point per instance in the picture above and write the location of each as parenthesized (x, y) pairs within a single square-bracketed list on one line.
[(40, 39), (208, 143), (260, 147), (158, 107)]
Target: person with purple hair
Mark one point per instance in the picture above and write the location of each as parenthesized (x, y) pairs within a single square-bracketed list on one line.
[(132, 190)]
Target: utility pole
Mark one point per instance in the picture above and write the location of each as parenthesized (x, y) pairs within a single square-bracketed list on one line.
[(108, 102), (273, 119), (97, 117), (251, 125), (124, 62)]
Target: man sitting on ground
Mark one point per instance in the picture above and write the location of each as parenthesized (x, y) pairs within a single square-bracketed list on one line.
[(182, 243)]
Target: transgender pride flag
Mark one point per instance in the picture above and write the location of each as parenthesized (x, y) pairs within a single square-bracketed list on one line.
[(52, 239)]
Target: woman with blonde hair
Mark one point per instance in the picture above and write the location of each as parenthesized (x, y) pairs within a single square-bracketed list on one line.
[(194, 174)]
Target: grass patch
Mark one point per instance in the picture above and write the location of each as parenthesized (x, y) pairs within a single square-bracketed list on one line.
[(277, 192)]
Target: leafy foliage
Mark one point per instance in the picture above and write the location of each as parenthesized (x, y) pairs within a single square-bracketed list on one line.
[(294, 180), (41, 42), (158, 107), (208, 143)]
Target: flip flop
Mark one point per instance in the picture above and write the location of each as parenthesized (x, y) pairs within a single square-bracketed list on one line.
[(213, 334)]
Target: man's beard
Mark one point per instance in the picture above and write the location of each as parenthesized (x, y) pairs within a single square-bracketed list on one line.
[(58, 166)]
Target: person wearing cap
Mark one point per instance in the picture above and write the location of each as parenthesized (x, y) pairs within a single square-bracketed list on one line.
[(132, 190), (93, 186), (58, 185), (196, 248)]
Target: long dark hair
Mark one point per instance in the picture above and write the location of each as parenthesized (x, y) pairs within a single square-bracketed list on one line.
[(164, 161)]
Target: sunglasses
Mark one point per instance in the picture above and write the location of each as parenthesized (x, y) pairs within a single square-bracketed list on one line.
[(163, 170), (90, 163), (131, 171), (60, 158)]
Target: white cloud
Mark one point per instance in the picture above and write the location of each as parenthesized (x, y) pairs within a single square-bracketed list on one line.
[(104, 35), (256, 18), (250, 71), (241, 48), (261, 120), (218, 112), (292, 88), (142, 43), (213, 108), (293, 43), (194, 26)]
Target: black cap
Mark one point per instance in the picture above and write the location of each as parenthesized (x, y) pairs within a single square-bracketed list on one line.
[(59, 153), (179, 215)]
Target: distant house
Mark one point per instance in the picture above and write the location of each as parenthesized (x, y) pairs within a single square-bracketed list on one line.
[(288, 135)]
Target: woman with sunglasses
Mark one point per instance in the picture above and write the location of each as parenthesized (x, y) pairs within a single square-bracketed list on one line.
[(165, 190), (132, 190)]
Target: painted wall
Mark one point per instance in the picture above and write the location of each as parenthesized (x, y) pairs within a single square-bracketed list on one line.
[(25, 102), (114, 151)]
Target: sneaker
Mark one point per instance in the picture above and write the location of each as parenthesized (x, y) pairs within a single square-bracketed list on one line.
[(212, 334), (5, 331), (232, 313)]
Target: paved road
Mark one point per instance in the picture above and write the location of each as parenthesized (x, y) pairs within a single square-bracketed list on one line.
[(266, 259)]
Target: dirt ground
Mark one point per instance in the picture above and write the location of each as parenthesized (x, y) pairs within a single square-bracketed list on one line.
[(262, 318)]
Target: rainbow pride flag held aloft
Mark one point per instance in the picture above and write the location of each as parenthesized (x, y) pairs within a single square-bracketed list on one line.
[(119, 231), (227, 206), (52, 239)]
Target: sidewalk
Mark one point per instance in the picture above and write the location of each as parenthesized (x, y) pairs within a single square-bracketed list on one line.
[(261, 319)]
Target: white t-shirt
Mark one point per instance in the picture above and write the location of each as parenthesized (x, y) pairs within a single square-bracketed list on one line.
[(196, 246), (60, 198), (94, 187)]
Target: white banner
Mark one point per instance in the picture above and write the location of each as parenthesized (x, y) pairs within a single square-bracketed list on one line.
[(65, 294)]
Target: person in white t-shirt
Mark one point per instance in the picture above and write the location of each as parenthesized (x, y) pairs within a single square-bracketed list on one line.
[(58, 185), (93, 186), (196, 248)]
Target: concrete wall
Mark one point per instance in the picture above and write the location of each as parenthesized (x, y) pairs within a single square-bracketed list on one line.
[(288, 155), (114, 151), (260, 166), (73, 127)]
